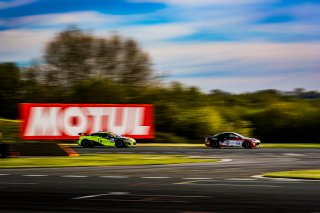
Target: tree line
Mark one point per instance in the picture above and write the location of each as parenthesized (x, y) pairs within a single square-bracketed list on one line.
[(78, 67)]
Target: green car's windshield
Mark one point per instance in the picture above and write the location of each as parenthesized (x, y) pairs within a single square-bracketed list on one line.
[(115, 135), (106, 134)]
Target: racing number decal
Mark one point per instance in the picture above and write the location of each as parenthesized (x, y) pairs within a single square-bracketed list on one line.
[(236, 142), (232, 143)]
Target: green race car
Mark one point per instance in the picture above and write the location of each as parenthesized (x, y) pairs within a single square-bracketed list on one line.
[(105, 139)]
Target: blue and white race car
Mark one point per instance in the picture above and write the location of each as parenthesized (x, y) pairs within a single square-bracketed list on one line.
[(231, 139)]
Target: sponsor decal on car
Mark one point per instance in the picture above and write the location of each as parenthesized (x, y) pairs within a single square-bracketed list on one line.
[(65, 121)]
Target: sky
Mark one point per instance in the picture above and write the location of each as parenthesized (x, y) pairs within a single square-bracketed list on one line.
[(232, 45)]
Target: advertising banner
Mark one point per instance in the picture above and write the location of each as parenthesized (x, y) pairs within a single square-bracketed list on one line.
[(65, 121)]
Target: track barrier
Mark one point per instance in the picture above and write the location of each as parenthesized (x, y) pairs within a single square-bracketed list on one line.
[(16, 149)]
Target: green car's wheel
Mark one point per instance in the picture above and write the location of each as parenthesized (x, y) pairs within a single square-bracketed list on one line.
[(91, 144), (85, 144), (119, 144)]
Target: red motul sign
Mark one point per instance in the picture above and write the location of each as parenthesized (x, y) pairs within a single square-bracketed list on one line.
[(65, 121)]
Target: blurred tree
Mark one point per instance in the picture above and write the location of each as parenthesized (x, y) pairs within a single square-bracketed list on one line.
[(97, 91), (74, 55), (68, 56), (136, 64), (9, 87), (31, 89)]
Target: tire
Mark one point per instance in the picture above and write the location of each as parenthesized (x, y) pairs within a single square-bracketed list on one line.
[(215, 144), (120, 144), (91, 144), (85, 144), (246, 145)]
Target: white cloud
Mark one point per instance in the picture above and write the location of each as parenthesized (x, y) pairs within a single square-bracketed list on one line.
[(23, 45), (91, 18), (284, 82), (255, 57), (14, 3), (289, 29)]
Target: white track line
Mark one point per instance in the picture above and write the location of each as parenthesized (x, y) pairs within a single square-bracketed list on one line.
[(118, 193), (197, 178), (155, 177), (35, 175), (74, 176), (114, 176), (240, 179), (88, 196), (294, 154), (17, 183), (4, 174), (281, 179), (198, 182), (239, 185), (225, 160), (99, 195)]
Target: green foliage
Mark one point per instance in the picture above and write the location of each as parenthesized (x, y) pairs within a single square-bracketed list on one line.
[(9, 130), (165, 137), (297, 174), (9, 89), (97, 91), (288, 121), (101, 160)]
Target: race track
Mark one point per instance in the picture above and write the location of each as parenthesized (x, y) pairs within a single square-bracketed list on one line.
[(231, 185)]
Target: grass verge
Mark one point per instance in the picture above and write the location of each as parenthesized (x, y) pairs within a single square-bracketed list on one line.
[(10, 120), (299, 174), (99, 160)]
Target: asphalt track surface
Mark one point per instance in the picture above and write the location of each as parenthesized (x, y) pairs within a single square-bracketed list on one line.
[(231, 185)]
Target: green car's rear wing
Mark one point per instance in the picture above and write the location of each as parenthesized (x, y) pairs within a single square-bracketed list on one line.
[(82, 134)]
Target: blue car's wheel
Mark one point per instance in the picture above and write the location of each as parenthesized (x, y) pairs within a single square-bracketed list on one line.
[(246, 145), (215, 144)]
